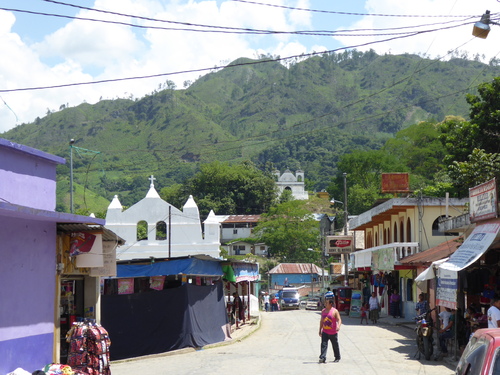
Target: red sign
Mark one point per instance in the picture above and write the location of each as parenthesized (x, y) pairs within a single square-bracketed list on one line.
[(395, 183), (340, 244)]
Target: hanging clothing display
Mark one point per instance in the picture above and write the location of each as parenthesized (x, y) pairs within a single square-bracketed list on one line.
[(88, 349)]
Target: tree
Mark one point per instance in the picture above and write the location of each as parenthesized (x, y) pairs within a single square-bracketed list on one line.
[(364, 170), (290, 229), (480, 168), (482, 131), (231, 189)]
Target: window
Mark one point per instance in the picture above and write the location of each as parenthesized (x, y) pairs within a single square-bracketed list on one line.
[(235, 231), (435, 227), (161, 231), (239, 249), (142, 230)]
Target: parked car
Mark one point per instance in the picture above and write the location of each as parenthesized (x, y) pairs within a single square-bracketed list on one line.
[(482, 354), (313, 303)]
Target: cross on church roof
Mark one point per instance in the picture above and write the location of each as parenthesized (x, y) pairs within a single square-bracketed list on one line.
[(152, 178)]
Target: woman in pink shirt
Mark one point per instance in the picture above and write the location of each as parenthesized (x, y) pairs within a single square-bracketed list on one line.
[(329, 326)]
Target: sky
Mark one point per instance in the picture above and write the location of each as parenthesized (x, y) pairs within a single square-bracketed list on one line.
[(45, 43)]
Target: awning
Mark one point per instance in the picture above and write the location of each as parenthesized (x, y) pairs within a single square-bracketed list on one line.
[(363, 258), (186, 266), (429, 273), (426, 257), (473, 247)]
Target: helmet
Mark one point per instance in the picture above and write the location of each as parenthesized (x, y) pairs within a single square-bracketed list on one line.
[(329, 295)]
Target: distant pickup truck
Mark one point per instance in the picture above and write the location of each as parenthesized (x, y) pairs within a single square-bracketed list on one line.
[(289, 298)]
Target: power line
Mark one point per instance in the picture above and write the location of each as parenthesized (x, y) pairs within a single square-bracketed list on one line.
[(301, 56), (213, 28), (352, 13)]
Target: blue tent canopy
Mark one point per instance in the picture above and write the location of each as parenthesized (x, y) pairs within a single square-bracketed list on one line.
[(185, 266)]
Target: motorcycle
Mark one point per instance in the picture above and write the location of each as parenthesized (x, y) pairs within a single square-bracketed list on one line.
[(424, 331)]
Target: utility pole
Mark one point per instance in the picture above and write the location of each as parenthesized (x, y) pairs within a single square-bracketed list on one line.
[(71, 142), (346, 215)]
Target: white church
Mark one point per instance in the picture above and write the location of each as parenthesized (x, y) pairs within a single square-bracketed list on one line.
[(170, 231), (293, 182)]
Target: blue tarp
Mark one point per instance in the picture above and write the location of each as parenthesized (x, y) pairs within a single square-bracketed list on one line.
[(188, 266)]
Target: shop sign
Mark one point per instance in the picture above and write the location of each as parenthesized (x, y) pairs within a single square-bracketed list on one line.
[(395, 183), (446, 294), (109, 258), (483, 201), (340, 244), (473, 247)]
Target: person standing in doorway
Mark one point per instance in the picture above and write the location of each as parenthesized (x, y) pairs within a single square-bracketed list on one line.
[(374, 308), (494, 313), (394, 301), (329, 327)]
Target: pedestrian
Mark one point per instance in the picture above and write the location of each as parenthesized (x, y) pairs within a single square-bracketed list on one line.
[(374, 308), (329, 327), (394, 304), (422, 305), (447, 332), (266, 302), (238, 309), (494, 313), (274, 304), (364, 315)]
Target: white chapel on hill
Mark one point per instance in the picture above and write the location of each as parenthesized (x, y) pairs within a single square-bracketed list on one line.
[(170, 231)]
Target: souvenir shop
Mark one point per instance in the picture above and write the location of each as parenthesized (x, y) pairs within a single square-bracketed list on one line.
[(84, 254)]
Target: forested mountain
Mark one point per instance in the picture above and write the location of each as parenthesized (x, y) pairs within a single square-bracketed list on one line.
[(302, 116)]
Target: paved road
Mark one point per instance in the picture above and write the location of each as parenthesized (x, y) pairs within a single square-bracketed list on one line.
[(288, 343)]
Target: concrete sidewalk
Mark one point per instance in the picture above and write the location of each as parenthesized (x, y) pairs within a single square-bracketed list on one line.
[(451, 360)]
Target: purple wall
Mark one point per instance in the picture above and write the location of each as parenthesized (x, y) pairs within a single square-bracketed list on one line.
[(28, 176), (27, 292)]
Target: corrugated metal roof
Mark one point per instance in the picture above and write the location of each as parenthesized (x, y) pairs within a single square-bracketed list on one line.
[(438, 252), (107, 235), (242, 219), (301, 268)]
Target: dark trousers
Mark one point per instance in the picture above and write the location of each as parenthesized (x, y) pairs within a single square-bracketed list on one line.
[(325, 337), (442, 340)]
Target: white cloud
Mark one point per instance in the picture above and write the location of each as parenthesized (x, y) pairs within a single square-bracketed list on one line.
[(83, 51), (434, 44)]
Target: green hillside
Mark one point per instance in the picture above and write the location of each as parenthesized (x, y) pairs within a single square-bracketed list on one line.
[(302, 116)]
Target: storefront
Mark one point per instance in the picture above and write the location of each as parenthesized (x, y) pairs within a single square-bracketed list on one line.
[(84, 254)]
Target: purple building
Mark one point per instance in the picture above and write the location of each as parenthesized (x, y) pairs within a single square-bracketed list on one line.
[(35, 261)]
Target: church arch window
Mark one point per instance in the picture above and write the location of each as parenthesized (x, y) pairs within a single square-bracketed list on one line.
[(161, 231), (401, 231), (408, 230), (299, 178), (395, 232), (142, 230)]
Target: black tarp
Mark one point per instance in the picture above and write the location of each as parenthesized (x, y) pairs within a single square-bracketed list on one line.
[(156, 322)]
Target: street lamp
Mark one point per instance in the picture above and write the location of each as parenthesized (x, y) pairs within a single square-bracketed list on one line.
[(482, 28)]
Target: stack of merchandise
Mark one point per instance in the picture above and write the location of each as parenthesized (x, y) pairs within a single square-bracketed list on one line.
[(88, 349)]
